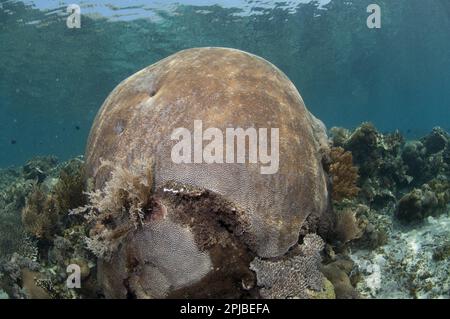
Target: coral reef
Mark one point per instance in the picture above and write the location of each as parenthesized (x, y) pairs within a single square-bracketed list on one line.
[(436, 141), (393, 229), (430, 199), (389, 240), (37, 251), (49, 202)]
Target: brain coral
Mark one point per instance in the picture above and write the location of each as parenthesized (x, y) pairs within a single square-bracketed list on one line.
[(210, 216)]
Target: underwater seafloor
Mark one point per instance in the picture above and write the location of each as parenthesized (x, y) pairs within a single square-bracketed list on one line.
[(390, 207)]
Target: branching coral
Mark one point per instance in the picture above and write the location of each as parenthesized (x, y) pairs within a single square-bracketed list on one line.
[(293, 277), (344, 175), (120, 206)]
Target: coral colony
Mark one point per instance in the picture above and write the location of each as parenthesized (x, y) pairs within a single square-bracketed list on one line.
[(154, 211)]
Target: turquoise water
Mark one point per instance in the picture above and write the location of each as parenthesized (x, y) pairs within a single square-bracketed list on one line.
[(383, 204), (54, 79)]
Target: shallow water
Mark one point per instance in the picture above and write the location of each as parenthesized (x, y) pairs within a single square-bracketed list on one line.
[(53, 80)]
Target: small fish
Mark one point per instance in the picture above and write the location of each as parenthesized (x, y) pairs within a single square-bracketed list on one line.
[(13, 142), (77, 127)]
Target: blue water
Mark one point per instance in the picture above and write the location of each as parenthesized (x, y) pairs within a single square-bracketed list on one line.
[(54, 79)]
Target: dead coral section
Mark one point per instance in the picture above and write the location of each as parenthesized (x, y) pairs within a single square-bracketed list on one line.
[(344, 175), (293, 277), (211, 217), (121, 206)]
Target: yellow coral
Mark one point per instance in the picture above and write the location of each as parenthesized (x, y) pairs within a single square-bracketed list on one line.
[(343, 173)]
